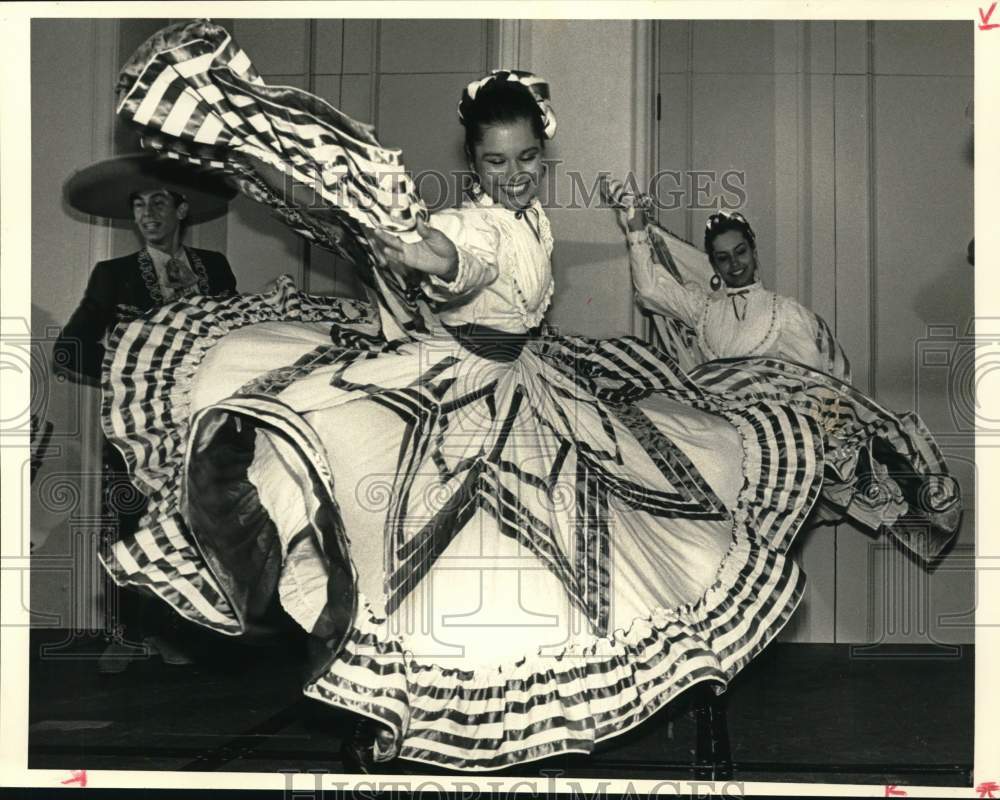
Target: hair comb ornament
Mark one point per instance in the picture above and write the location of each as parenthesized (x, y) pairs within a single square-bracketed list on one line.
[(728, 220), (535, 84)]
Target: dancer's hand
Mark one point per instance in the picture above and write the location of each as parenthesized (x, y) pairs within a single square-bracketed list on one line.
[(434, 253), (629, 209)]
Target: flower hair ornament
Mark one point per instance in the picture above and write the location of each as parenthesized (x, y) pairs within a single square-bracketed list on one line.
[(729, 220), (535, 84)]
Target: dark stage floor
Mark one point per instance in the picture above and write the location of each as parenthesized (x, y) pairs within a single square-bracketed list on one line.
[(798, 713)]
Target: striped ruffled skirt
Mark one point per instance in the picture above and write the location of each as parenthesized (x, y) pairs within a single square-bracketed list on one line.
[(509, 557)]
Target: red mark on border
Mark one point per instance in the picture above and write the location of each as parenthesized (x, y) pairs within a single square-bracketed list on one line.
[(987, 789), (892, 791), (78, 776), (589, 299), (984, 19)]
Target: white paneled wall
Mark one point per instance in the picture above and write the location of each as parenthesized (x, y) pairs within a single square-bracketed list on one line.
[(71, 125), (591, 68), (855, 148)]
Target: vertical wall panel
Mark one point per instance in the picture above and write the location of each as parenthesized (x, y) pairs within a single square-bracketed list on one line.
[(734, 130), (852, 224), (821, 41), (852, 48), (673, 45), (674, 154), (276, 46), (923, 183), (790, 223), (854, 322), (814, 551), (329, 46), (736, 47), (417, 113), (433, 45), (260, 248), (862, 204), (356, 95), (922, 48), (589, 65), (71, 126), (818, 268), (328, 87), (359, 45)]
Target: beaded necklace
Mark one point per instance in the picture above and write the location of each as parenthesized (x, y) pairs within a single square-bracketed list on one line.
[(757, 348)]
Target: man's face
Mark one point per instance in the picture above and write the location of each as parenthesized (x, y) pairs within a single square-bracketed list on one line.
[(158, 218)]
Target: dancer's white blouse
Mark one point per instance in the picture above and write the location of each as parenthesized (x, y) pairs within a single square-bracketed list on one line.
[(504, 278), (729, 323)]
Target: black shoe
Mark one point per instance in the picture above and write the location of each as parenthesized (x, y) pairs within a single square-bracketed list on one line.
[(172, 650), (357, 753), (118, 656)]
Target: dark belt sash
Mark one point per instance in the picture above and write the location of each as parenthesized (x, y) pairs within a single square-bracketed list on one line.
[(490, 343)]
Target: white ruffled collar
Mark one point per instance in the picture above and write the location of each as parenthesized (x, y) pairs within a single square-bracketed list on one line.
[(756, 286), (544, 228), (485, 201)]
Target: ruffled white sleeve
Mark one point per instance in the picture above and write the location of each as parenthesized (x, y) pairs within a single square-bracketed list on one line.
[(805, 337), (657, 289), (477, 240)]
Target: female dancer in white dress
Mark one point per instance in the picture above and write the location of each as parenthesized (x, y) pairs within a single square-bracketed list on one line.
[(736, 316), (510, 544)]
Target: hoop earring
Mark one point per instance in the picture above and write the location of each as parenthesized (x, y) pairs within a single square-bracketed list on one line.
[(715, 283)]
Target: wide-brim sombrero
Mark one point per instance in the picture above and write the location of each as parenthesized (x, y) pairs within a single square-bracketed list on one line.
[(103, 188)]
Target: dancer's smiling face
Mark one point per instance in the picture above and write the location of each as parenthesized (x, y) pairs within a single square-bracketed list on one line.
[(508, 161), (734, 259)]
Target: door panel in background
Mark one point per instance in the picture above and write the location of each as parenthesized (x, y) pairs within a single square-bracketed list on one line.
[(856, 151)]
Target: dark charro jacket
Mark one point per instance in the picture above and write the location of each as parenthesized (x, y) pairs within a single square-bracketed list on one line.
[(122, 289)]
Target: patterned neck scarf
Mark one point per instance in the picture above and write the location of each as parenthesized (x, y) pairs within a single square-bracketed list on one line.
[(175, 274)]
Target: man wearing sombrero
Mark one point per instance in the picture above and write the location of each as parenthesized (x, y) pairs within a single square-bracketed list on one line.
[(161, 198)]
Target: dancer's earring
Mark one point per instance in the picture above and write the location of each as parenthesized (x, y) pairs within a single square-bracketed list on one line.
[(716, 282)]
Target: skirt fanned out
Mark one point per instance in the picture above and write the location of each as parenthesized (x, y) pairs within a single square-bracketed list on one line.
[(510, 553), (510, 547)]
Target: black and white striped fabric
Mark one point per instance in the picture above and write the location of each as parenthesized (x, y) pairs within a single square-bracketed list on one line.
[(148, 370), (197, 98), (882, 469), (493, 442), (193, 83), (525, 707)]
